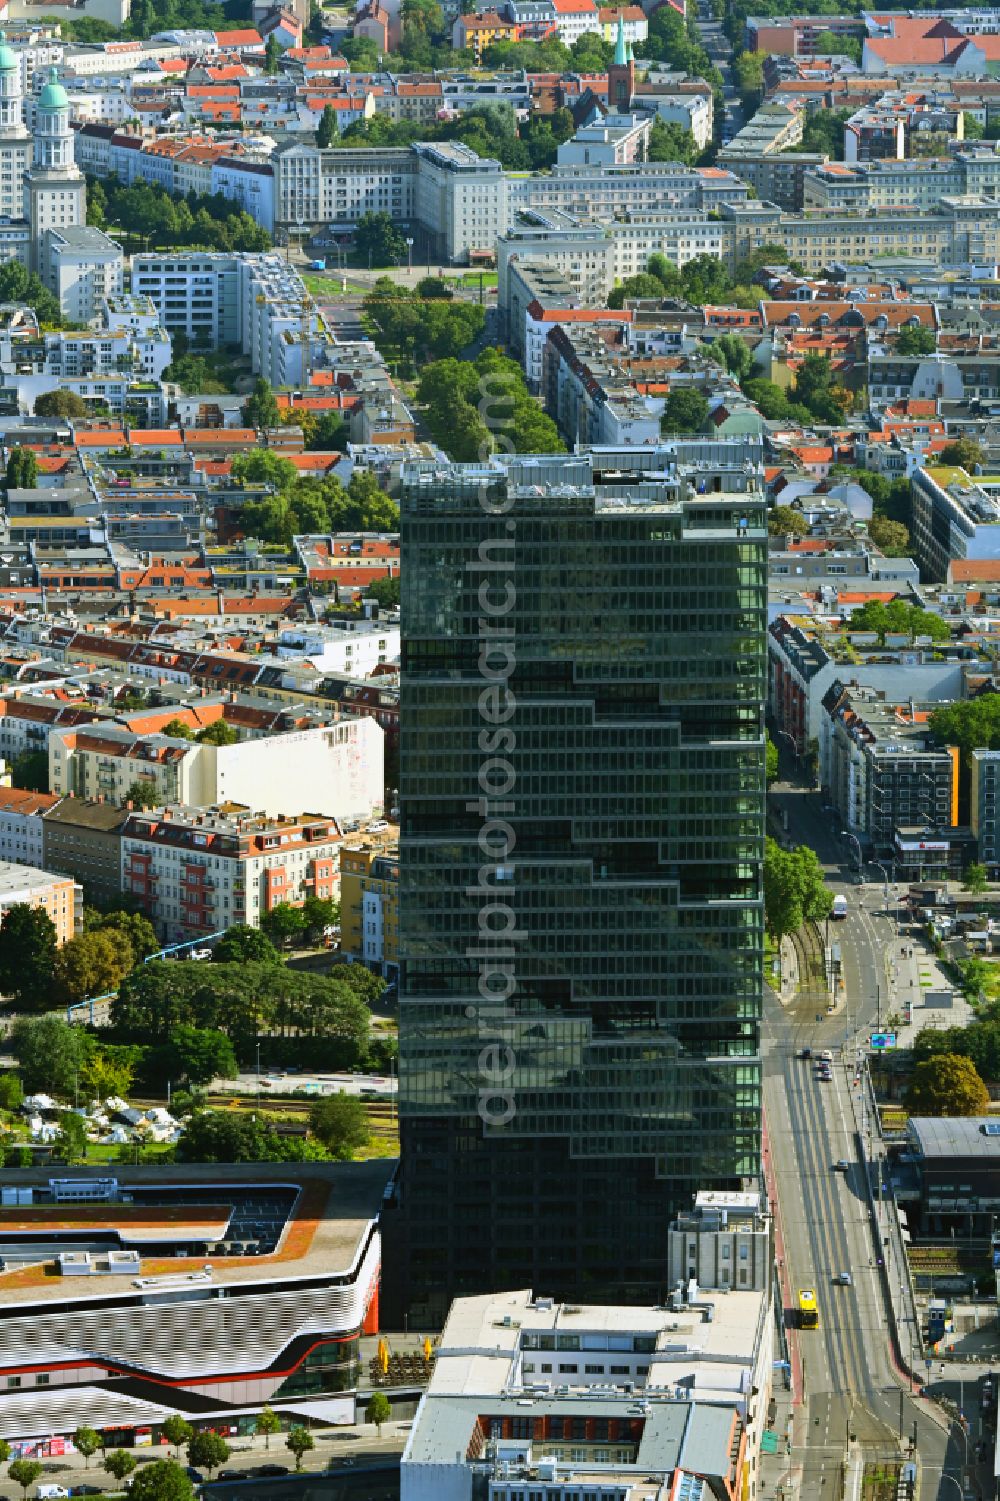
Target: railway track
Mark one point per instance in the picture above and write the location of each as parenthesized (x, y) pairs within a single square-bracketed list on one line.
[(811, 955)]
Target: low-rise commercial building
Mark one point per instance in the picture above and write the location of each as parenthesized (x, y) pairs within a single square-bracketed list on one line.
[(272, 1281), (528, 1395)]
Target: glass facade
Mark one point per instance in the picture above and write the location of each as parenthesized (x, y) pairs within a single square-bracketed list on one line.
[(581, 919)]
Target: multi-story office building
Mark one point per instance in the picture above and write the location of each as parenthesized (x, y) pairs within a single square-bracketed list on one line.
[(955, 517), (984, 784), (582, 771)]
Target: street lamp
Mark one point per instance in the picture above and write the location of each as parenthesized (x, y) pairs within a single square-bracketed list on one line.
[(409, 253)]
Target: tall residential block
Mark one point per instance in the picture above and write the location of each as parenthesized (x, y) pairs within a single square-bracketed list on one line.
[(582, 832)]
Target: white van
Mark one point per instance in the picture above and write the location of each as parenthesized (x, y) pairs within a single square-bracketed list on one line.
[(51, 1493)]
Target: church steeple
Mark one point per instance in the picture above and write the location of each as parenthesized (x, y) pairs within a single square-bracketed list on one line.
[(621, 73)]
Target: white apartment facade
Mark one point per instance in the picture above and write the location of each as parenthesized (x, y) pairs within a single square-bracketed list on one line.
[(201, 870), (337, 769)]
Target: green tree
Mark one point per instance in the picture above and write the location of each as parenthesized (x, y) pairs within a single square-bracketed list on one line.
[(72, 1135), (22, 469), (200, 1054), (299, 1441), (163, 1480), (178, 730), (264, 467), (244, 945), (340, 1121), (207, 1450), (283, 924), (327, 130), (386, 591), (642, 285), (794, 890), (50, 1054), (30, 770), (319, 913), (972, 129), (774, 253), (837, 44), (218, 733), (330, 434), (963, 453), (684, 411), (24, 1472), (143, 793), (104, 1077), (11, 1099), (60, 404), (670, 142), (770, 760), (268, 1422), (272, 57), (223, 1136), (748, 69), (87, 1442), (378, 1410), (177, 1431), (736, 355), (120, 1464), (377, 238), (947, 1085), (5, 1451), (92, 964), (976, 879), (785, 520), (27, 954), (891, 537), (916, 341), (261, 410)]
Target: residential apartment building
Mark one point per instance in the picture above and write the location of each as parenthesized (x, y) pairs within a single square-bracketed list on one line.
[(82, 838), (202, 869), (369, 904), (59, 897), (886, 775), (337, 767), (317, 186), (256, 301), (601, 815), (21, 825)]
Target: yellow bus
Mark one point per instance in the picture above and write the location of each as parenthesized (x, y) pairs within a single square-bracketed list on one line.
[(808, 1312)]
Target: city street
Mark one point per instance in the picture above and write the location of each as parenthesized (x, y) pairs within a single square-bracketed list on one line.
[(845, 1370)]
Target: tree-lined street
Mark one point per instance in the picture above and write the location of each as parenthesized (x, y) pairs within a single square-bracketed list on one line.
[(852, 1394)]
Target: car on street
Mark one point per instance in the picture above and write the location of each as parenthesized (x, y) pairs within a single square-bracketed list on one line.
[(194, 1475), (826, 1056), (232, 1475), (271, 1470), (843, 1279), (825, 1078), (87, 1490), (842, 1165), (805, 1052)]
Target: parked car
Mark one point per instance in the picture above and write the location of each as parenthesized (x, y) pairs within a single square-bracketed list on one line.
[(271, 1470), (51, 1493), (193, 1474)]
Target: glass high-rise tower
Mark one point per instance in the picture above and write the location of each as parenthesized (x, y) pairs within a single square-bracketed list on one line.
[(581, 916)]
